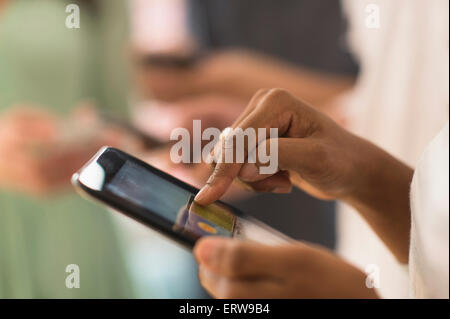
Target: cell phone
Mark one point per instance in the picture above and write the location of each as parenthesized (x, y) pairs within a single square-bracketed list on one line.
[(149, 142), (171, 60), (163, 202)]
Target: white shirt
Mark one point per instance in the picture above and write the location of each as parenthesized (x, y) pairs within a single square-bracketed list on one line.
[(429, 256), (400, 102)]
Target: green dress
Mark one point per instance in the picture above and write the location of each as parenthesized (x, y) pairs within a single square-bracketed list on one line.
[(47, 64)]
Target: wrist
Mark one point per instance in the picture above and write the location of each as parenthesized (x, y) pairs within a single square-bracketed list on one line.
[(381, 195), (378, 176)]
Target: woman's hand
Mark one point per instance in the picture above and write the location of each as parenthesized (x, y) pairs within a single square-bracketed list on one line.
[(230, 268), (322, 158), (314, 152)]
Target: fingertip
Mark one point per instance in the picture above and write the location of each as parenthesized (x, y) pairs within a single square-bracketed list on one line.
[(210, 193), (203, 197)]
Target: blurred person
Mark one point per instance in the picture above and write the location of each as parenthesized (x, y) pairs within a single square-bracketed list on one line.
[(409, 211), (246, 54), (46, 70)]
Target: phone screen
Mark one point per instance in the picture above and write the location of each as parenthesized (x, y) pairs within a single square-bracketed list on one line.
[(147, 194), (175, 204)]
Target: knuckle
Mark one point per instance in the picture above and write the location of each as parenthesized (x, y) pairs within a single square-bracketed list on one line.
[(278, 100), (277, 94)]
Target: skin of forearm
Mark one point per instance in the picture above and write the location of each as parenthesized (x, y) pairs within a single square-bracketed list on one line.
[(263, 72), (381, 195)]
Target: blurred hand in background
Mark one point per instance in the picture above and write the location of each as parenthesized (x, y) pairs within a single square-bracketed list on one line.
[(40, 151), (239, 74), (160, 118)]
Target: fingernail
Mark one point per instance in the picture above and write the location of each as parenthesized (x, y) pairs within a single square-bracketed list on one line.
[(203, 194)]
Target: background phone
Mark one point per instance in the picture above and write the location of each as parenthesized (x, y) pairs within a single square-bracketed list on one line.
[(163, 202), (171, 60), (149, 142)]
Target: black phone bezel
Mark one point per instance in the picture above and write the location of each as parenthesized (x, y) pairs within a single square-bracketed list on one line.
[(141, 214)]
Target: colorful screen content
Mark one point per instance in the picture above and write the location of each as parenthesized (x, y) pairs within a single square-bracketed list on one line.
[(194, 219), (175, 204)]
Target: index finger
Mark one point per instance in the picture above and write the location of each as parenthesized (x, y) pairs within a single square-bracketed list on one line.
[(269, 111), (224, 173), (218, 183)]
